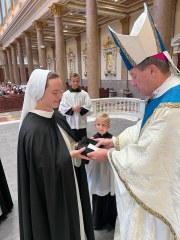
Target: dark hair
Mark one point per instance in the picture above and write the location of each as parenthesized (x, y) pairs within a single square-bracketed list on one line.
[(163, 65), (74, 75), (51, 75)]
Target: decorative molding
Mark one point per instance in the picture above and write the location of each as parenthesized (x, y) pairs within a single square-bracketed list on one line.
[(84, 57), (8, 49), (125, 21), (18, 41), (27, 34), (109, 43), (39, 24), (175, 55), (110, 52), (13, 45), (57, 9), (71, 60)]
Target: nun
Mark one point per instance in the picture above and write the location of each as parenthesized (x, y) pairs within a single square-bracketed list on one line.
[(52, 204)]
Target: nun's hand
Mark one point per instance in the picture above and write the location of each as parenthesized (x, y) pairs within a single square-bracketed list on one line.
[(77, 154)]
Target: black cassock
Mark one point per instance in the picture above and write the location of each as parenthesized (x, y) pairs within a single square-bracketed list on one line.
[(48, 208)]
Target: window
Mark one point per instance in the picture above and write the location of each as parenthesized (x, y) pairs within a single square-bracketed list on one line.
[(3, 8)]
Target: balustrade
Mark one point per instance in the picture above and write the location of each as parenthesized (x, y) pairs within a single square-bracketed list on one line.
[(119, 106)]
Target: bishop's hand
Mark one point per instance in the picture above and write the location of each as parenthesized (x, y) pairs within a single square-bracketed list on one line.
[(101, 155), (106, 142)]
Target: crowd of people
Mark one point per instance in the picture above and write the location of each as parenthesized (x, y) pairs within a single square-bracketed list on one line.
[(11, 88)]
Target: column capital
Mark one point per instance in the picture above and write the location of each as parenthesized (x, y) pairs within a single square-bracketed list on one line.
[(57, 9), (39, 24), (174, 6), (18, 41), (4, 51), (13, 45), (27, 34), (175, 55), (125, 21), (78, 37), (8, 49), (53, 47)]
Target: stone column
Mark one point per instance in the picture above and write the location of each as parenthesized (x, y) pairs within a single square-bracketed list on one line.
[(57, 9), (92, 48), (29, 53), (15, 64), (39, 25), (54, 56), (21, 60), (99, 35), (11, 74), (78, 39), (125, 30), (6, 67), (162, 14)]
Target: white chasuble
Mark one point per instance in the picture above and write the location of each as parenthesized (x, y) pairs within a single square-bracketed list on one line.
[(72, 99), (147, 173)]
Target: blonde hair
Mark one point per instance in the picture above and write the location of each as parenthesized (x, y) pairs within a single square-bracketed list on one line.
[(74, 75), (103, 116)]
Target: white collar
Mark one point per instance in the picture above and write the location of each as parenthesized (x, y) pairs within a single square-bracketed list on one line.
[(43, 113), (169, 83)]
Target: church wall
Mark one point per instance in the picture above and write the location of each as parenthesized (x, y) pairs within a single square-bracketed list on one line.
[(71, 45), (177, 19)]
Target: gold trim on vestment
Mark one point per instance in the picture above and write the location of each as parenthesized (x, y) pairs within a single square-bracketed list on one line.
[(146, 208), (161, 105), (117, 144), (155, 34), (124, 51)]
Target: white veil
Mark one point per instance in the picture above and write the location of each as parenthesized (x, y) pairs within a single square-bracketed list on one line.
[(34, 91)]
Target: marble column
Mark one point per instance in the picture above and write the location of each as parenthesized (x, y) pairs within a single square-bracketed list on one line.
[(92, 48), (11, 74), (39, 25), (6, 67), (57, 9), (27, 35), (125, 30), (21, 60), (162, 14), (15, 64), (99, 35), (78, 40), (54, 57)]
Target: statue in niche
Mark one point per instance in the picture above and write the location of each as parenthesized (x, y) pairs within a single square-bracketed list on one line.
[(71, 66), (109, 62)]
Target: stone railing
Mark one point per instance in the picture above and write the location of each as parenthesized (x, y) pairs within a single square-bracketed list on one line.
[(132, 107), (12, 102)]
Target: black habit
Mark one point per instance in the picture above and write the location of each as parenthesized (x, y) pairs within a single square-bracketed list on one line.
[(48, 208)]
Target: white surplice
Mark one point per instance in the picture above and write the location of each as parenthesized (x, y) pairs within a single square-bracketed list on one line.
[(75, 162), (72, 99), (150, 166)]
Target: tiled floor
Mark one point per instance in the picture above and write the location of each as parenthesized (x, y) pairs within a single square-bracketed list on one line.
[(9, 229)]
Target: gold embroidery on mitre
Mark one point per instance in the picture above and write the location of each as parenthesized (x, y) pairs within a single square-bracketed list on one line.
[(146, 208), (155, 34), (161, 105), (124, 51), (117, 144)]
